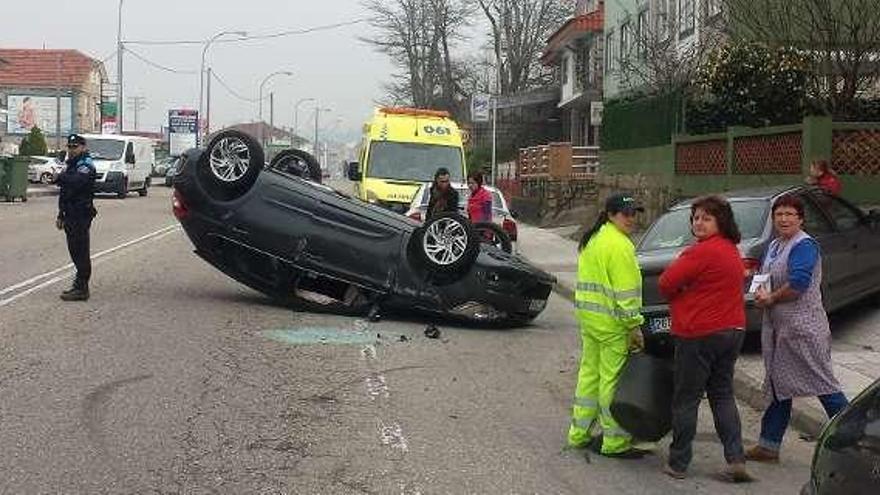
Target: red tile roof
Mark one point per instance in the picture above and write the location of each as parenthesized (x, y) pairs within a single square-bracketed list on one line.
[(594, 22), (26, 68)]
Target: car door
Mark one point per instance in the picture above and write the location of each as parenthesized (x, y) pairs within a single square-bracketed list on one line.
[(818, 224), (841, 247), (866, 239)]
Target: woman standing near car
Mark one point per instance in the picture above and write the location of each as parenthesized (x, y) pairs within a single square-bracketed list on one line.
[(480, 202), (704, 287), (609, 302), (795, 338)]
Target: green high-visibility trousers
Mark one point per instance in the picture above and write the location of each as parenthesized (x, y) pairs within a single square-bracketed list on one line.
[(601, 363)]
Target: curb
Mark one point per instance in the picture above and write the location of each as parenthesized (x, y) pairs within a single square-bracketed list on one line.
[(38, 193), (747, 389)]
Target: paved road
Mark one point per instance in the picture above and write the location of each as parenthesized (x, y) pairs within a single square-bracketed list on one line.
[(175, 379)]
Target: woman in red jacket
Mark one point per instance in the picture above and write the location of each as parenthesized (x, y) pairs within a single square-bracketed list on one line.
[(480, 203), (704, 287)]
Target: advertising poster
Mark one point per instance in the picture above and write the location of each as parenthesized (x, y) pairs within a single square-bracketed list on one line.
[(182, 128), (26, 111)]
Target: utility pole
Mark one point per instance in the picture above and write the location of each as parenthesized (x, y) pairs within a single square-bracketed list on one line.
[(271, 115), (58, 105), (120, 48), (137, 103), (207, 105)]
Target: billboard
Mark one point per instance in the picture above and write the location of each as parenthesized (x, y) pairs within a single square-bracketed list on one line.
[(183, 126), (26, 111)]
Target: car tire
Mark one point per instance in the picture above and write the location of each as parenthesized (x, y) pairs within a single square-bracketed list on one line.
[(499, 237), (230, 164), (142, 192), (299, 163), (46, 178), (447, 243), (123, 189)]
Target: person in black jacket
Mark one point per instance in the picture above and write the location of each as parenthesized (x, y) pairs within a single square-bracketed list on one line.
[(76, 210), (442, 197)]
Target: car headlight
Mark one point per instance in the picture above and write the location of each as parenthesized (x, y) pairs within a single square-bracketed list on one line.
[(117, 167)]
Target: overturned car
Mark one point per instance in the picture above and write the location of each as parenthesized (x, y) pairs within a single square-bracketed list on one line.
[(278, 230)]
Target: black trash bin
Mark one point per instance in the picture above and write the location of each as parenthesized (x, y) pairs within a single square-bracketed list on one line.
[(642, 404)]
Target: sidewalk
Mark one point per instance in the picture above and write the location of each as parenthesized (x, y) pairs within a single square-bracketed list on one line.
[(36, 191), (855, 349)]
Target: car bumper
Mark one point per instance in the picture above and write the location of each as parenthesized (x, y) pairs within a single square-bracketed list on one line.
[(658, 339), (111, 182)]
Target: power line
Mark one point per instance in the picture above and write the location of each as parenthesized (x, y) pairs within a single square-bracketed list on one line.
[(108, 57), (158, 66), (281, 34), (232, 91)]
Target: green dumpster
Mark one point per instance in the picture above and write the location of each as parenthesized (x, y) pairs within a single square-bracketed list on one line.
[(14, 182), (4, 163)]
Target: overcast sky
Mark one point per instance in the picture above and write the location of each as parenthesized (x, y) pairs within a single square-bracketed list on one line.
[(334, 67)]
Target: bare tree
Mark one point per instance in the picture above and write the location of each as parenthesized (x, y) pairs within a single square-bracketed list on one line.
[(420, 36), (518, 31), (842, 36)]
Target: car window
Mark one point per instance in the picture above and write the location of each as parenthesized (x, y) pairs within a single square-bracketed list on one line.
[(673, 229), (815, 222), (844, 216), (413, 161), (106, 149)]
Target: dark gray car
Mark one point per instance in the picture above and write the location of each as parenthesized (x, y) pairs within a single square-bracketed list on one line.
[(849, 239)]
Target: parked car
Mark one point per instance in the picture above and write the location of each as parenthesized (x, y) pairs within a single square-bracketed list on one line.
[(171, 171), (501, 214), (849, 239), (160, 168), (44, 169), (847, 455), (279, 231)]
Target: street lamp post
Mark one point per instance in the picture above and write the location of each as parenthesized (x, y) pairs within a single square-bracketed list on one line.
[(318, 111), (119, 53), (262, 84), (240, 34), (296, 119)]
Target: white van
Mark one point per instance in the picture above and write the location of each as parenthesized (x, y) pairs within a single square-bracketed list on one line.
[(123, 163)]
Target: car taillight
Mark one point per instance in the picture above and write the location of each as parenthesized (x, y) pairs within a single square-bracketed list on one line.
[(416, 215), (752, 265), (509, 226), (178, 206)]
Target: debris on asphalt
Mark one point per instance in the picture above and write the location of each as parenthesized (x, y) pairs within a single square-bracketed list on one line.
[(868, 347), (375, 314), (404, 338), (432, 332), (453, 416)]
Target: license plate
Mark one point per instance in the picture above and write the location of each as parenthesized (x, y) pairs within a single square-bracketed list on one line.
[(661, 324), (537, 305)]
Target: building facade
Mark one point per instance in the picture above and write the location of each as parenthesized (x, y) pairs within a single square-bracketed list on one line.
[(577, 51), (58, 91)]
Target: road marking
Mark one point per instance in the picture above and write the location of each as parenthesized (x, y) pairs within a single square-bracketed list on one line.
[(64, 270)]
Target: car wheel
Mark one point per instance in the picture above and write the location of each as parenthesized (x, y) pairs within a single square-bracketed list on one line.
[(123, 189), (489, 233), (298, 163), (230, 165), (46, 178), (144, 190), (447, 243)]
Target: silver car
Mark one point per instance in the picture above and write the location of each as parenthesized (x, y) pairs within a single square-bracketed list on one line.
[(849, 239)]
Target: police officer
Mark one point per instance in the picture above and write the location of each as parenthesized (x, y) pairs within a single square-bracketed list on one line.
[(75, 213)]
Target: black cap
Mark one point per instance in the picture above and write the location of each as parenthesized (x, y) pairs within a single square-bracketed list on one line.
[(622, 203), (76, 139)]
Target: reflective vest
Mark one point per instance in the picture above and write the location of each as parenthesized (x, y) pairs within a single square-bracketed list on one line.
[(609, 288)]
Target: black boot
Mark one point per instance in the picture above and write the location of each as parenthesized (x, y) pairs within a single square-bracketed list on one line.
[(76, 294)]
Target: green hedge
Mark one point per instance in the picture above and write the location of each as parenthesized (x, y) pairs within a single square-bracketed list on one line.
[(641, 123)]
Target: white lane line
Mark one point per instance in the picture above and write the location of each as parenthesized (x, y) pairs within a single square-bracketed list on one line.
[(94, 257), (4, 302)]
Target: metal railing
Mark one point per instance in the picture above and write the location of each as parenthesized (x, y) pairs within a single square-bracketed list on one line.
[(558, 160)]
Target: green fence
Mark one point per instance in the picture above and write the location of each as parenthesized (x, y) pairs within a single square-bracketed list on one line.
[(641, 123)]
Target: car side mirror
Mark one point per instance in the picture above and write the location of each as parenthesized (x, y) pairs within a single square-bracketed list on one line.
[(354, 172), (514, 214), (874, 216), (129, 158)]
